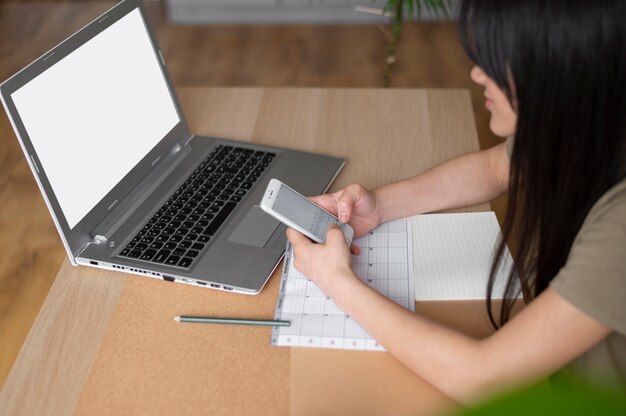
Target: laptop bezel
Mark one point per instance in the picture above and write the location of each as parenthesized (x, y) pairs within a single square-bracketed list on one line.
[(75, 239)]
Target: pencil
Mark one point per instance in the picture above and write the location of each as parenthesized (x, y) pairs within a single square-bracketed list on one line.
[(232, 321)]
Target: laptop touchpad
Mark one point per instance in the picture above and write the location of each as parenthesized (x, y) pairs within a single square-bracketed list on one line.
[(255, 229)]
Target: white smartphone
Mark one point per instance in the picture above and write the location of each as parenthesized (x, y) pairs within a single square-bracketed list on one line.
[(300, 213)]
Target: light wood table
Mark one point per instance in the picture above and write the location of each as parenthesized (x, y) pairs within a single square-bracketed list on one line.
[(105, 343)]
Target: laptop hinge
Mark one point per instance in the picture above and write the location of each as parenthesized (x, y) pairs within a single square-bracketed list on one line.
[(98, 239)]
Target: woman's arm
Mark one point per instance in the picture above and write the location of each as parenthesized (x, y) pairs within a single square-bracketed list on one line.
[(467, 180), (470, 179), (542, 338)]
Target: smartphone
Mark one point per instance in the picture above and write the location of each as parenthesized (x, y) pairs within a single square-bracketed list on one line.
[(300, 213)]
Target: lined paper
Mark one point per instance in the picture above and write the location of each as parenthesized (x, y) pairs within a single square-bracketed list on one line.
[(452, 256)]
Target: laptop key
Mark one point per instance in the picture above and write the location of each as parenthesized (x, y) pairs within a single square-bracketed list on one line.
[(207, 216), (161, 256), (172, 260), (148, 254), (220, 218), (185, 262), (156, 245), (168, 231)]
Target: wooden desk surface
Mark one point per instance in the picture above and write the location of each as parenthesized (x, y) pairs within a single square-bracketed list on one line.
[(104, 342)]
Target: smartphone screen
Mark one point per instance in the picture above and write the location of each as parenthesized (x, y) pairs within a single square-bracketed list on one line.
[(303, 212)]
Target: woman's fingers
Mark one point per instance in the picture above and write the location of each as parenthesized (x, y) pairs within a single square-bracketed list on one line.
[(326, 201), (334, 236), (296, 238), (349, 197)]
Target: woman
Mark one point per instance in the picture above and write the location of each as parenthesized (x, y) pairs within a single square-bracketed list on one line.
[(554, 74)]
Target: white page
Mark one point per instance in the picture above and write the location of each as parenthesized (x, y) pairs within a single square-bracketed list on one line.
[(452, 256)]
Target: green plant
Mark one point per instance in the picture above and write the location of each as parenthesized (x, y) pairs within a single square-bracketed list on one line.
[(398, 10), (575, 398)]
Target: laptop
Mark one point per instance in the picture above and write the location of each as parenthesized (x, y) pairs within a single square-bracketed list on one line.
[(129, 187)]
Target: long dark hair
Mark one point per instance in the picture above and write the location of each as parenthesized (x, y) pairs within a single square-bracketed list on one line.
[(567, 64)]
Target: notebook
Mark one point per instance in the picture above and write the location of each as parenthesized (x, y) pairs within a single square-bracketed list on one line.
[(453, 253), (128, 186)]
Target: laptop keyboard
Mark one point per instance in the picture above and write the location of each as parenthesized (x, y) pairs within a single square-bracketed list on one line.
[(182, 227)]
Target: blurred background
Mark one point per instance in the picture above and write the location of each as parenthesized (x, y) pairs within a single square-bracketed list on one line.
[(256, 43)]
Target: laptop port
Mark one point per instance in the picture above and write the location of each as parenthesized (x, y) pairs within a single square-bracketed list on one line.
[(215, 286), (168, 278)]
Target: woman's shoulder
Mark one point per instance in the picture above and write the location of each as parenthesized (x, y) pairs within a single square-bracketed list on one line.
[(594, 275), (609, 207)]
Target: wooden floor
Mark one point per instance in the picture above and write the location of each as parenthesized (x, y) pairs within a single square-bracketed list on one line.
[(303, 56)]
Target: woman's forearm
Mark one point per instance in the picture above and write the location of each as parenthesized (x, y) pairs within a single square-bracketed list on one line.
[(466, 180), (464, 368)]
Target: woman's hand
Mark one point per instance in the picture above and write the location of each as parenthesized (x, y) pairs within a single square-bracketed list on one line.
[(355, 205), (323, 263)]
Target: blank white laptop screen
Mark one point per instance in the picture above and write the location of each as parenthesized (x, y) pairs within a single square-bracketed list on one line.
[(96, 113)]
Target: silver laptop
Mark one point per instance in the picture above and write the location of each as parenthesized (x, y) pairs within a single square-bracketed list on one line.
[(129, 187)]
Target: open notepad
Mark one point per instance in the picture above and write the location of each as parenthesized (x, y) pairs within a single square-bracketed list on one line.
[(426, 258), (385, 264)]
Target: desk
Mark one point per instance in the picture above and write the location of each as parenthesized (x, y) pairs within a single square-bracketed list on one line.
[(105, 343)]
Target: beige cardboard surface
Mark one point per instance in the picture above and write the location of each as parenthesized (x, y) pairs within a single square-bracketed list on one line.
[(149, 364), (340, 382), (375, 383)]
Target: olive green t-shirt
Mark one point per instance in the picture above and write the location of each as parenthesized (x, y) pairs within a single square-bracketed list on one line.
[(593, 279)]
